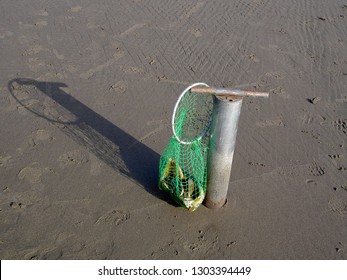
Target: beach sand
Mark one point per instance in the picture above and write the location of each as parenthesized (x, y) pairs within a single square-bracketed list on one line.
[(87, 90)]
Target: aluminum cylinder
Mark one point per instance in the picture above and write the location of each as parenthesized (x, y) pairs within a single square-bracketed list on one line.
[(225, 119)]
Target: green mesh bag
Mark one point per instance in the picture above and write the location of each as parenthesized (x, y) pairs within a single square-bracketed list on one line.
[(182, 167)]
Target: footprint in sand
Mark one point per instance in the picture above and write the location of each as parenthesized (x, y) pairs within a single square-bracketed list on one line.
[(280, 92), (16, 205), (316, 169), (40, 136), (35, 64), (5, 160), (58, 55), (203, 244), (33, 50), (256, 164), (31, 254), (76, 157), (164, 251), (340, 248), (196, 32), (43, 135), (119, 87), (101, 249), (341, 125), (342, 168), (53, 253), (32, 174), (338, 206), (332, 156), (71, 243), (114, 217), (253, 57), (75, 9)]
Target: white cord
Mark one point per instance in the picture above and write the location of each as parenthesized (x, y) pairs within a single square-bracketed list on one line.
[(174, 114)]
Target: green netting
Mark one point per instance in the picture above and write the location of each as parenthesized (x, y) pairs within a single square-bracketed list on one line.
[(182, 168)]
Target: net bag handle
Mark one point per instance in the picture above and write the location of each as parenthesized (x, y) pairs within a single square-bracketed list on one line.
[(174, 115)]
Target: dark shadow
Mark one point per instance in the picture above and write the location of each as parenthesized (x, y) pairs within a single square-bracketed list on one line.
[(108, 142)]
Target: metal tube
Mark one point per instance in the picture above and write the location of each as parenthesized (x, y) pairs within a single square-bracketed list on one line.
[(228, 91), (225, 120)]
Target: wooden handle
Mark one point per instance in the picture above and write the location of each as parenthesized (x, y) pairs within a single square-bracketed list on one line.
[(228, 92)]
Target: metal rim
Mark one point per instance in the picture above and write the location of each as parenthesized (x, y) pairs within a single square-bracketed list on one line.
[(174, 114)]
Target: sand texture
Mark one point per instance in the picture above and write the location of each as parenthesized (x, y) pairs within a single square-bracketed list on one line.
[(87, 90)]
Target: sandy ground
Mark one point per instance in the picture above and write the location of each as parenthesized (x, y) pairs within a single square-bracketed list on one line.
[(86, 95)]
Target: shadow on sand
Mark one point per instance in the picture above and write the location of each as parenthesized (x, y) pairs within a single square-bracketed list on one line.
[(93, 132)]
